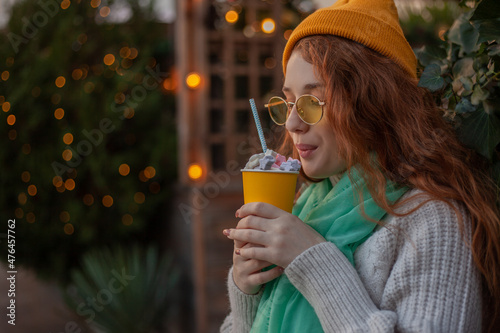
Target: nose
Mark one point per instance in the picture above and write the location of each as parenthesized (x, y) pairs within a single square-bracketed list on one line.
[(294, 124)]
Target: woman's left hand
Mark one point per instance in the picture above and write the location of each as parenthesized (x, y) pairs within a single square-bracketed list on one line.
[(281, 235)]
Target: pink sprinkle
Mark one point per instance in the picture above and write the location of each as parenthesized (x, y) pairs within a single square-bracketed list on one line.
[(280, 159), (275, 166)]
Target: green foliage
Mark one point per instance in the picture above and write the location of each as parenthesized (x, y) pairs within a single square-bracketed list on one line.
[(117, 114), (464, 73), (129, 290)]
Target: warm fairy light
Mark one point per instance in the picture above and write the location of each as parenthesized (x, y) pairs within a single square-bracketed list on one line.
[(77, 74), (12, 134), (109, 59), (19, 213), (32, 190), (67, 155), (149, 172), (95, 3), (107, 201), (25, 176), (30, 217), (142, 177), (64, 216), (68, 138), (11, 119), (124, 52), (287, 34), (65, 4), (124, 169), (61, 188), (69, 229), (26, 148), (129, 113), (5, 106), (22, 198), (231, 16), (59, 113), (268, 25), (127, 219), (57, 181), (104, 11), (69, 184), (154, 187), (195, 171), (133, 53), (2, 99), (193, 80), (169, 84), (5, 75), (60, 81), (139, 197), (88, 199)]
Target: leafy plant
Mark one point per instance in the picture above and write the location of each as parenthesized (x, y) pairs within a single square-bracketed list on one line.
[(464, 73), (121, 291)]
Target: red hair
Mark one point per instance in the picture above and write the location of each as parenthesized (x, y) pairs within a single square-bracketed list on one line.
[(374, 106)]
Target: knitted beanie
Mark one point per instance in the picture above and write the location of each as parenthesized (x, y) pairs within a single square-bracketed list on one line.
[(373, 23)]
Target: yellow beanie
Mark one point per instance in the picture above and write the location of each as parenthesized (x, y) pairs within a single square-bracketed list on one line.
[(373, 23)]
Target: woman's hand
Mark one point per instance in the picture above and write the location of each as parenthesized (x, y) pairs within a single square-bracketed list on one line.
[(276, 236)]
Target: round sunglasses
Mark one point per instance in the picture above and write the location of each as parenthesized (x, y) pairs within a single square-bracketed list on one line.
[(309, 109)]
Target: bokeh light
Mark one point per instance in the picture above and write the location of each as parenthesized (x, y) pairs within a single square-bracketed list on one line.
[(124, 169), (193, 80), (68, 138), (195, 171), (268, 26), (107, 201), (231, 16)]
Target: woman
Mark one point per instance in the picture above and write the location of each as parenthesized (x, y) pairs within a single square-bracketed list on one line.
[(401, 227)]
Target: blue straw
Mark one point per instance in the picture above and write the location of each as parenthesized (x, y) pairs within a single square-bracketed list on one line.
[(259, 127)]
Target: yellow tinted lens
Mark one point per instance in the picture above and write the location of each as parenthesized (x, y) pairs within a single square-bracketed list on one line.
[(309, 109), (277, 110)]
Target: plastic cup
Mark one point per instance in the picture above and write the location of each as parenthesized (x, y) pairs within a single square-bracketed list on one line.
[(271, 186)]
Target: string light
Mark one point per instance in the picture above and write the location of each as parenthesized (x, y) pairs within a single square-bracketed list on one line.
[(139, 197), (109, 59), (11, 119), (69, 184), (195, 171), (64, 216), (127, 219), (67, 155), (68, 138), (107, 201), (231, 16), (5, 75), (95, 3), (124, 169), (30, 217), (88, 199), (104, 11), (65, 4), (60, 81), (57, 181), (5, 106), (149, 172), (25, 176), (22, 198), (19, 213), (77, 74), (32, 190), (69, 229), (193, 80), (268, 26), (59, 113)]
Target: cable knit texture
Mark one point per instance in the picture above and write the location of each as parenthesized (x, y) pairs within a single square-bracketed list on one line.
[(416, 274)]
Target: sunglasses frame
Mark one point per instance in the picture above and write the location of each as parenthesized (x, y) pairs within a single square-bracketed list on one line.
[(290, 105)]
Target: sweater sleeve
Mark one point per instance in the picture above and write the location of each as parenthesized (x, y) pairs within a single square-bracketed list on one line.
[(243, 308), (432, 285)]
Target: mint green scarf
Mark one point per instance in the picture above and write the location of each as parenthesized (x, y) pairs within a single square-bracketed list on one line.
[(335, 213)]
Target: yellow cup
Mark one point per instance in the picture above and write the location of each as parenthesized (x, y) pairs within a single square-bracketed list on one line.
[(274, 187)]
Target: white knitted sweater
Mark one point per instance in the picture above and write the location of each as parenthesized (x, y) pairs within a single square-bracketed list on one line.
[(416, 274)]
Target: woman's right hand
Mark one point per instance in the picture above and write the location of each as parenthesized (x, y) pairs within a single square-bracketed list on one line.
[(247, 273)]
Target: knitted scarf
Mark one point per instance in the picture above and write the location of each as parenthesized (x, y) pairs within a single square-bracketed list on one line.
[(334, 212)]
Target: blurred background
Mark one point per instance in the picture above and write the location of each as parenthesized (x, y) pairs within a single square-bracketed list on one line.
[(124, 125)]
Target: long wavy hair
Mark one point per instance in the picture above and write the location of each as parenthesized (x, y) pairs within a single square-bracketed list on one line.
[(379, 108)]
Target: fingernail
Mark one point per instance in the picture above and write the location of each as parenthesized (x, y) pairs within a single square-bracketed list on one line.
[(237, 251), (237, 213), (281, 269), (225, 232)]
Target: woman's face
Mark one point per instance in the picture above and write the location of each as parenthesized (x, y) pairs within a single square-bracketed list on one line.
[(316, 144)]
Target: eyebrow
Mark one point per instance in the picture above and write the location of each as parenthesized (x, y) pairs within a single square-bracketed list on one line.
[(307, 87)]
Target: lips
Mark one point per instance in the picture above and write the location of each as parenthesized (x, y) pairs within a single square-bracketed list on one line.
[(305, 150)]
